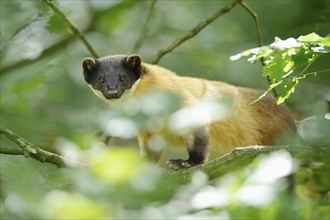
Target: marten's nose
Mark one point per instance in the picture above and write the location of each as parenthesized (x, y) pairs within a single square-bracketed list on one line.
[(112, 92)]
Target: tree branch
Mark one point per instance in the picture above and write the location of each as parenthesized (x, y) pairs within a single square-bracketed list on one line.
[(145, 28), (47, 52), (259, 37), (256, 21), (73, 28), (28, 149), (50, 50), (237, 158), (200, 26), (11, 151)]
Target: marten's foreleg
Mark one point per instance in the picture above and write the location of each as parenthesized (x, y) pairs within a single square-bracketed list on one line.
[(197, 145), (146, 150)]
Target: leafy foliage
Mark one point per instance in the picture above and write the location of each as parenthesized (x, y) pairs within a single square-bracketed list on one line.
[(56, 24), (260, 191), (286, 61)]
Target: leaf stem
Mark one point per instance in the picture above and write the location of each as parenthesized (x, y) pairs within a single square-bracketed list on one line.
[(316, 72), (259, 37), (308, 65), (28, 149)]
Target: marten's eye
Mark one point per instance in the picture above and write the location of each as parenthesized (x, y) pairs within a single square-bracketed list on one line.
[(122, 78), (101, 80)]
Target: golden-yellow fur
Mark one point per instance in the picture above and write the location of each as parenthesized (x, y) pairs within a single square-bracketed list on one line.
[(256, 124)]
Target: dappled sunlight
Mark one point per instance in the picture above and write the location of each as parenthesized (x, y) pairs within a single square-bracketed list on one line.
[(315, 130), (116, 165), (15, 204), (272, 168), (147, 178), (120, 127), (157, 143), (265, 181), (145, 112), (197, 115), (284, 44), (65, 205), (118, 183), (210, 197), (257, 195), (69, 150)]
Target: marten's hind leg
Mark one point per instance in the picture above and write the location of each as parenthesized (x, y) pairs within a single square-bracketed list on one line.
[(197, 145)]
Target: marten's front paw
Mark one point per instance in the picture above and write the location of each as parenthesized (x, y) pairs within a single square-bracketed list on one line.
[(178, 164)]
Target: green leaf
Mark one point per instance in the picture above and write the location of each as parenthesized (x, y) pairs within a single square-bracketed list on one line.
[(286, 61), (254, 53), (284, 44), (302, 57), (277, 67), (326, 41), (287, 90), (310, 38), (321, 49), (271, 87), (57, 24)]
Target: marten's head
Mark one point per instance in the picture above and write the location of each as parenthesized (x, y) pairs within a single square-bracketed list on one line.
[(110, 77)]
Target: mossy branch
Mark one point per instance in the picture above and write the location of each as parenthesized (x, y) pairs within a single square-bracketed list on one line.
[(237, 158), (28, 149), (194, 31), (73, 28)]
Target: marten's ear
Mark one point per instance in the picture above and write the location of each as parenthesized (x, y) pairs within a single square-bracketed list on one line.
[(88, 64), (133, 61)]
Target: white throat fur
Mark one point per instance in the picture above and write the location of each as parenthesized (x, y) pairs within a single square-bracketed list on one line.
[(126, 95)]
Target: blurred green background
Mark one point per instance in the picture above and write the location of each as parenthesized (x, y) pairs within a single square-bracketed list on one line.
[(45, 99)]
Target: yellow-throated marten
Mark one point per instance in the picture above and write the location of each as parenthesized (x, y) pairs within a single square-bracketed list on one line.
[(249, 124)]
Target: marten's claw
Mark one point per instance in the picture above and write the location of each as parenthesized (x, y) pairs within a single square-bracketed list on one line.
[(179, 164)]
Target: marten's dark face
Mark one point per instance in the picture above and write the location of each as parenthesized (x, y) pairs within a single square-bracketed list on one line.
[(112, 76)]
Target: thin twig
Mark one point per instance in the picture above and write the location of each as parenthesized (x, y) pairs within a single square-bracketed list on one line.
[(259, 37), (309, 64), (256, 21), (314, 73), (28, 149), (73, 28), (194, 31), (145, 28)]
